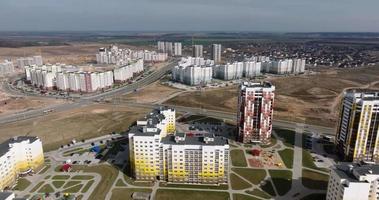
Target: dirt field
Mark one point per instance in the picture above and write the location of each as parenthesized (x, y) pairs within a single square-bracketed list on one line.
[(75, 53), (151, 94), (56, 129), (312, 99), (15, 104)]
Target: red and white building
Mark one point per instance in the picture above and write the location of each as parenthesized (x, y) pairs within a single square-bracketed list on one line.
[(255, 112)]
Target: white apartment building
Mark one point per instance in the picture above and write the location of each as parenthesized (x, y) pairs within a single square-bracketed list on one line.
[(197, 50), (352, 181), (19, 155), (177, 49), (251, 69), (156, 153), (161, 47), (216, 53), (6, 67), (27, 61), (255, 112), (168, 48), (124, 73), (230, 71), (193, 71), (287, 66)]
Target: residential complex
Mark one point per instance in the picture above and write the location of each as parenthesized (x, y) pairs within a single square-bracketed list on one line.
[(19, 155), (352, 181), (255, 112), (357, 132), (193, 71), (6, 67), (119, 56), (177, 49), (157, 152), (70, 78), (197, 51), (170, 48), (26, 61), (216, 53), (287, 66), (237, 70)]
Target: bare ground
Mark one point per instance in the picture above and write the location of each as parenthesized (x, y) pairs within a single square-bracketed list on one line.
[(313, 99), (56, 129)]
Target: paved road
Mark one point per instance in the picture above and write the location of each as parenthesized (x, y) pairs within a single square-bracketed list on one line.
[(85, 101)]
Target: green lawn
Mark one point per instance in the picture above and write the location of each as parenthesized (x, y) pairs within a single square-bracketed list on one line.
[(22, 184), (238, 158), (268, 188), (282, 180), (58, 184), (314, 197), (37, 186), (60, 177), (120, 183), (255, 176), (243, 197), (287, 157), (71, 183), (126, 194), (88, 185), (167, 194), (46, 189), (237, 183), (259, 193), (213, 187), (82, 177), (74, 189), (287, 135), (47, 167), (314, 180)]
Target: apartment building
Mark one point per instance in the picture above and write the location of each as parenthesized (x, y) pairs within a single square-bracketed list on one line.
[(197, 50), (158, 153), (193, 71), (27, 61), (255, 112), (19, 155), (352, 181), (357, 132), (6, 67), (216, 53), (177, 49)]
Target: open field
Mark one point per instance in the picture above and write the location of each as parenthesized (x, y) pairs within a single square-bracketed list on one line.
[(57, 129), (312, 99), (72, 53), (150, 94)]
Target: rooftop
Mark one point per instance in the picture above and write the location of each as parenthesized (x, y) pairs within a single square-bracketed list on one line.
[(5, 195), (4, 147), (195, 140), (352, 171), (264, 84)]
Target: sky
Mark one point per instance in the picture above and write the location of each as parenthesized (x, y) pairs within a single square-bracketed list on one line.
[(190, 15)]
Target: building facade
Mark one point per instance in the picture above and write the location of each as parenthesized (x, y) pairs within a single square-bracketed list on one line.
[(19, 155), (197, 51), (6, 67), (158, 153), (216, 53), (357, 133), (352, 181), (255, 112), (177, 49)]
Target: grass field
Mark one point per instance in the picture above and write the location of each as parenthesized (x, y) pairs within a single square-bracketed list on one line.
[(287, 157), (259, 193), (56, 129), (126, 194), (243, 197), (58, 184), (238, 158), (282, 180), (287, 135), (22, 184), (212, 187), (268, 188), (87, 186), (167, 194), (237, 183), (314, 180), (255, 176)]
